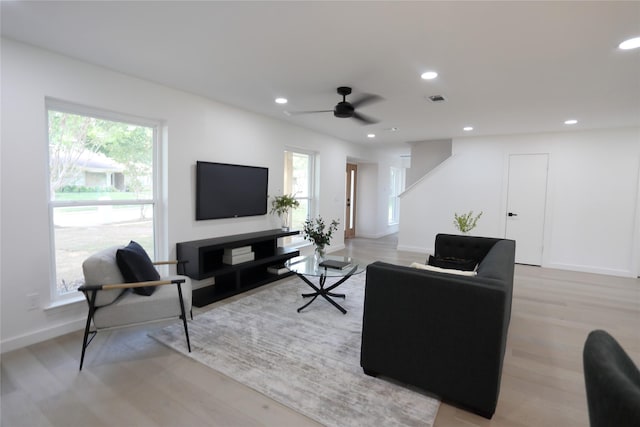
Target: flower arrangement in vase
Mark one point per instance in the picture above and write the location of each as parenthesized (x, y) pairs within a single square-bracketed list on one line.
[(281, 205), (317, 232)]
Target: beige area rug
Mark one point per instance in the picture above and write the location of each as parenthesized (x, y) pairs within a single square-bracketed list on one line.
[(308, 361)]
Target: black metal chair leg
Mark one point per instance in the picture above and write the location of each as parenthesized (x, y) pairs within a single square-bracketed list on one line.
[(86, 341), (184, 317)]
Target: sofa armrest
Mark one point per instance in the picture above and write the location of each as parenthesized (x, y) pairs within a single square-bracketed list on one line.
[(132, 285), (171, 262), (443, 333)]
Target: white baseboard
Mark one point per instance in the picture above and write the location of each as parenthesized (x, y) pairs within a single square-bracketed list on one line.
[(42, 335), (370, 236), (591, 269), (376, 235), (418, 249)]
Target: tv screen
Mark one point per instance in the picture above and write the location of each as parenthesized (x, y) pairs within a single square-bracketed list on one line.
[(229, 191)]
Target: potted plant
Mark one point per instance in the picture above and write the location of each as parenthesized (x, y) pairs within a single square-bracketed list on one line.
[(317, 232), (466, 222), (281, 205)]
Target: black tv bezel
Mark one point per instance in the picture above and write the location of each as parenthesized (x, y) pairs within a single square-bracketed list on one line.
[(199, 195)]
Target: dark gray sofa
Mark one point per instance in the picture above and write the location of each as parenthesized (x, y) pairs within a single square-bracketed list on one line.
[(443, 333)]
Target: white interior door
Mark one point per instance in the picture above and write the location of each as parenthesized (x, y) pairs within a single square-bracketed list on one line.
[(526, 205)]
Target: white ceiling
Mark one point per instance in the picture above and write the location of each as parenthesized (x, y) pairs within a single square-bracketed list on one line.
[(504, 67)]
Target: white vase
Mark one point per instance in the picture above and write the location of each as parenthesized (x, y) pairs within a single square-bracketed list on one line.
[(284, 220)]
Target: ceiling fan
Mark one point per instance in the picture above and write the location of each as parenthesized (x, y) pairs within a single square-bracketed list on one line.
[(345, 109)]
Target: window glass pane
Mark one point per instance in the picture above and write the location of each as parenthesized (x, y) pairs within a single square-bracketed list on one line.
[(82, 231), (298, 180), (99, 172), (395, 188), (93, 159), (300, 175), (300, 214)]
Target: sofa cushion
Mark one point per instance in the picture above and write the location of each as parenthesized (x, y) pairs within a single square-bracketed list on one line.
[(462, 246), (101, 268), (442, 270), (136, 266), (453, 263)]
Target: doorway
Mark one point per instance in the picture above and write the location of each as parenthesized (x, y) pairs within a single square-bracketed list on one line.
[(526, 205), (351, 177)]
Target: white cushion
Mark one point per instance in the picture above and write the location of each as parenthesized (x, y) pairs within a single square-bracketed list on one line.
[(442, 270), (134, 308), (101, 268)]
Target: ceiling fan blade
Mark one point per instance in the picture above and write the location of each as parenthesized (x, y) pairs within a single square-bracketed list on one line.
[(296, 113), (366, 99), (366, 120)]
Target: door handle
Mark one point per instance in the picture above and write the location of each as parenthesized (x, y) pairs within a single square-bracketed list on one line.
[(512, 214)]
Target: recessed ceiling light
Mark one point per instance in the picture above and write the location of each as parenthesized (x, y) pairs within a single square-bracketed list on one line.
[(467, 128), (633, 43), (281, 100), (371, 135), (570, 122), (429, 75)]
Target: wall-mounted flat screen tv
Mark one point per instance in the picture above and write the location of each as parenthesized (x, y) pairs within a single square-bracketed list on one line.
[(230, 191)]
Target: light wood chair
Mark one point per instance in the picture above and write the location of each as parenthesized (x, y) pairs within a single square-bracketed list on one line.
[(115, 302)]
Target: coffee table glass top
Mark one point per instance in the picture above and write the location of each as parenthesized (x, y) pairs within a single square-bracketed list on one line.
[(308, 266)]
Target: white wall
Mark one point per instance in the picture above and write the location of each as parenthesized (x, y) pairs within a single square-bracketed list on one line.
[(426, 155), (367, 195), (373, 190), (593, 201), (194, 129)]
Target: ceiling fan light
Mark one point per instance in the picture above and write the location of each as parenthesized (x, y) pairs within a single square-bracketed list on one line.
[(633, 43)]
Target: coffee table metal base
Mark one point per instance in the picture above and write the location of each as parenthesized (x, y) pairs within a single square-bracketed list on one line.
[(325, 292)]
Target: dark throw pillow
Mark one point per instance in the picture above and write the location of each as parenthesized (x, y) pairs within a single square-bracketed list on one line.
[(453, 263), (136, 266)]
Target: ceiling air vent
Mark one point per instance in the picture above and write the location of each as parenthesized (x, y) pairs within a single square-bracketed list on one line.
[(436, 98)]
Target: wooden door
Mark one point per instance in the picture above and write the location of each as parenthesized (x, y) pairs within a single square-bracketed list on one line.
[(350, 214)]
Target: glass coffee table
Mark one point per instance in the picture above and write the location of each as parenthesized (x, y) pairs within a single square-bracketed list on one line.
[(310, 266)]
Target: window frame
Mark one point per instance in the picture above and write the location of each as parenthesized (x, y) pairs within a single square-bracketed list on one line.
[(311, 190), (395, 189), (52, 104)]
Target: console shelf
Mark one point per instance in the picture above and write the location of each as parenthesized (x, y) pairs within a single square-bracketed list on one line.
[(205, 259)]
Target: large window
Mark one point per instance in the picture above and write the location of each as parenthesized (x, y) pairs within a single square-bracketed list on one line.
[(396, 186), (102, 193), (299, 181)]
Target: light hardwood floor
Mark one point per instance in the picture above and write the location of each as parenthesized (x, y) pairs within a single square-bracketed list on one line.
[(131, 380)]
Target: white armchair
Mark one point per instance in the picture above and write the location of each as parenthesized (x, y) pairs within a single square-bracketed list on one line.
[(123, 288)]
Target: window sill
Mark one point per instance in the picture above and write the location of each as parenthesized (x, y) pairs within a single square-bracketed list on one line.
[(64, 302), (294, 242)]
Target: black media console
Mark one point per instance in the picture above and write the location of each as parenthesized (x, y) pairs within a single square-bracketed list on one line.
[(205, 260)]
